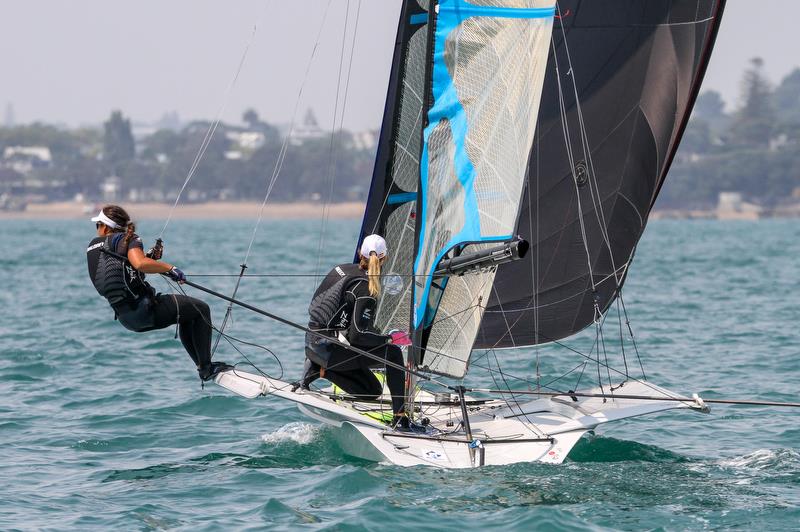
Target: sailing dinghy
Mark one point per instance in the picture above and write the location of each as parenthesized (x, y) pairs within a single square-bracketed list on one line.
[(523, 145)]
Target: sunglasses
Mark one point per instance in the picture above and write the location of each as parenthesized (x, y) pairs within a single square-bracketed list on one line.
[(98, 224)]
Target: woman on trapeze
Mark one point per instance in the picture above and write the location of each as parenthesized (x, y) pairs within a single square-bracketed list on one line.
[(345, 302), (117, 268)]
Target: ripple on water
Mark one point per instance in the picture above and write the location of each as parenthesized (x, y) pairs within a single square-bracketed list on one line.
[(105, 429)]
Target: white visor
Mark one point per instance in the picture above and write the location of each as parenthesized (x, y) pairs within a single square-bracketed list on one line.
[(101, 217), (373, 244)]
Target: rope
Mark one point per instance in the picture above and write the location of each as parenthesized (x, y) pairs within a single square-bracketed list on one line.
[(213, 127), (333, 153), (285, 146), (318, 334)]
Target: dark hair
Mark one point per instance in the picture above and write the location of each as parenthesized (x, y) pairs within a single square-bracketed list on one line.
[(119, 216)]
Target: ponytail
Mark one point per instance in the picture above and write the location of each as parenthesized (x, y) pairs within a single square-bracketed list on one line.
[(130, 229), (122, 219), (373, 267)]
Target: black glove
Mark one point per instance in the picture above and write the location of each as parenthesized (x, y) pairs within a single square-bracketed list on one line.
[(176, 275), (156, 251)]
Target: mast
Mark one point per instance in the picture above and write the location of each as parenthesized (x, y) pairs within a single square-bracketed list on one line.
[(392, 202), (391, 205)]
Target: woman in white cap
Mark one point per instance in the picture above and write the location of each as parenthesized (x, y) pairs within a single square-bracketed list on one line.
[(345, 303), (117, 264)]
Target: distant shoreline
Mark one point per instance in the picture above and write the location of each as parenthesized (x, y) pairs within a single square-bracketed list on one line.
[(354, 210), (227, 210)]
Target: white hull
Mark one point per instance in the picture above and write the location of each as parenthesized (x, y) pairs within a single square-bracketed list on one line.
[(542, 430)]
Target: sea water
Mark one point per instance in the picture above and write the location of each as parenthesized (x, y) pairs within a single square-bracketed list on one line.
[(101, 428)]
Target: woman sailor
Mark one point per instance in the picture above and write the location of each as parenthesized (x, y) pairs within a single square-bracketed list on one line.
[(117, 264), (345, 303)]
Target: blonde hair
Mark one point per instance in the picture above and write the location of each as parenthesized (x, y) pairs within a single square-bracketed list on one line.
[(373, 267)]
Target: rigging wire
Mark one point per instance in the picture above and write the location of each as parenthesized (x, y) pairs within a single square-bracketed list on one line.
[(275, 173), (230, 338), (333, 148), (284, 147), (666, 398), (595, 188), (215, 124), (571, 159)]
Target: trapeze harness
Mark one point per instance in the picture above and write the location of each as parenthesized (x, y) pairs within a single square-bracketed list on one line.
[(121, 284), (343, 308), (342, 305), (136, 305)]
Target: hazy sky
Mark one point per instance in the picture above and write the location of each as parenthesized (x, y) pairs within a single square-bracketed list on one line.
[(73, 62)]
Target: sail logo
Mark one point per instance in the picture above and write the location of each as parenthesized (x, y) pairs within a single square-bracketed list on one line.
[(433, 455)]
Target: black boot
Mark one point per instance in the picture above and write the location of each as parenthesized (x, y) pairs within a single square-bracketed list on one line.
[(402, 423), (213, 369), (310, 374)]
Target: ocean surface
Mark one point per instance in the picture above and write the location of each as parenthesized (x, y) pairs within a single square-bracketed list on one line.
[(105, 429)]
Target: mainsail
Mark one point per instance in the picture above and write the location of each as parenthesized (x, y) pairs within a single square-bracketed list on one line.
[(486, 78), (620, 87)]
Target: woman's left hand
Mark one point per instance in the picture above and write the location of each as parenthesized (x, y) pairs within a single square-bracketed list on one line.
[(176, 275)]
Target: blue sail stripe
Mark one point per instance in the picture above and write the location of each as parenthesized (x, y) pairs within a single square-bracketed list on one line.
[(401, 197), (464, 9), (419, 18)]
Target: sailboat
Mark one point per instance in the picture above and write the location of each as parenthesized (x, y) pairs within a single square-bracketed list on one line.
[(522, 147)]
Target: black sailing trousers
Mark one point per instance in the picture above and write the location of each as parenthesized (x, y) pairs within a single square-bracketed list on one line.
[(351, 372), (192, 316)]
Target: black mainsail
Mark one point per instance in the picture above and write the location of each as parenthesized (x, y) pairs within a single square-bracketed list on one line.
[(636, 68)]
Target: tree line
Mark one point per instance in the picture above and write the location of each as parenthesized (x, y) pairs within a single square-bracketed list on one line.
[(752, 149), (83, 159)]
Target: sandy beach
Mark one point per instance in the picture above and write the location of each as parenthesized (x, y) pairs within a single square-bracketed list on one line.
[(194, 211)]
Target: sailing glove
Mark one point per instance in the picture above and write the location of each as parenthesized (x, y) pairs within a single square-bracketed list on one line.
[(400, 338), (156, 251), (176, 275)]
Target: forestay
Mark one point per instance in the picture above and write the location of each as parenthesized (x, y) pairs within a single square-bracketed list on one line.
[(488, 64)]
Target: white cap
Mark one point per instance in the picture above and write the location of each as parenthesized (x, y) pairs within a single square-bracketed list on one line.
[(373, 244), (101, 217)]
